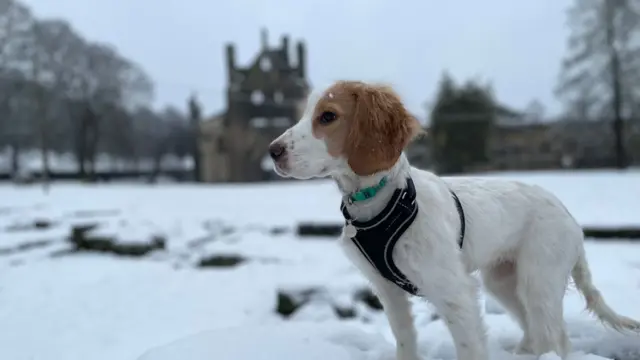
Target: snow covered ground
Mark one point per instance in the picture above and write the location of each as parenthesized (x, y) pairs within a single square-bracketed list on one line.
[(31, 161), (58, 304)]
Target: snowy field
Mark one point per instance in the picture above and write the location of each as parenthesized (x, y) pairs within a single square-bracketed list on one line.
[(57, 303), (31, 161)]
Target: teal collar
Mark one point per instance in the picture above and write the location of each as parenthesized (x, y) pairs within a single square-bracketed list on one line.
[(368, 192)]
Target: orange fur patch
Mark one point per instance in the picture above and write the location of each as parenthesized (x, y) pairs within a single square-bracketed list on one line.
[(372, 127)]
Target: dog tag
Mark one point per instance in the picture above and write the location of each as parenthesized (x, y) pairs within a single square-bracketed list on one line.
[(350, 231)]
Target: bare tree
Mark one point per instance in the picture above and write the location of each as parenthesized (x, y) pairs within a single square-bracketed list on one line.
[(66, 88), (15, 22), (109, 81), (158, 134), (57, 52), (38, 73), (602, 69)]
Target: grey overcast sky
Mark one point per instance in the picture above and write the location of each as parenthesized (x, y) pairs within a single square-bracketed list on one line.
[(516, 44)]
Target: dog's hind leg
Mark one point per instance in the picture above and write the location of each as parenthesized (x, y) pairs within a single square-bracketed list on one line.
[(541, 285), (500, 282)]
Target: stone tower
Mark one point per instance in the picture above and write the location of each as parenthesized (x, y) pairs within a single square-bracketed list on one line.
[(263, 99)]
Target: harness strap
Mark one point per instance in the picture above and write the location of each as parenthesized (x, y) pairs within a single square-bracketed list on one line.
[(376, 238), (462, 219)]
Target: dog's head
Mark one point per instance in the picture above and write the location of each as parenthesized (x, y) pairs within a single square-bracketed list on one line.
[(351, 126)]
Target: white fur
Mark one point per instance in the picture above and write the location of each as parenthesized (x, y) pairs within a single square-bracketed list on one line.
[(307, 157), (520, 237)]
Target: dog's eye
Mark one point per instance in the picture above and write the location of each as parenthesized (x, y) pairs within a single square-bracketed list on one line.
[(327, 117)]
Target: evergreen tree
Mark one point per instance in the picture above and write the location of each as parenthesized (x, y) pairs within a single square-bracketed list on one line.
[(461, 122)]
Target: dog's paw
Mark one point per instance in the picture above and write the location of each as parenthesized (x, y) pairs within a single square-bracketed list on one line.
[(523, 348), (403, 354)]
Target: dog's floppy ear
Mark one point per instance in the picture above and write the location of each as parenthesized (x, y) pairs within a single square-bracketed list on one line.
[(381, 128)]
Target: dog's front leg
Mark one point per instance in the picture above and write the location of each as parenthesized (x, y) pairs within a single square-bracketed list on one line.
[(398, 311), (453, 292)]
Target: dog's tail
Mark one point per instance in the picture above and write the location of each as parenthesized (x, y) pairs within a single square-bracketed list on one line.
[(595, 302)]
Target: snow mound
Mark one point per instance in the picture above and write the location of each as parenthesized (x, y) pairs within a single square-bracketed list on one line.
[(306, 340), (283, 341)]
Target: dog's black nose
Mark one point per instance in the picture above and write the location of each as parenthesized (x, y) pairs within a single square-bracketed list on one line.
[(277, 150)]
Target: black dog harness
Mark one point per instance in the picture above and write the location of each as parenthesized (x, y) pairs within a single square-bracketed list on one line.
[(377, 237)]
